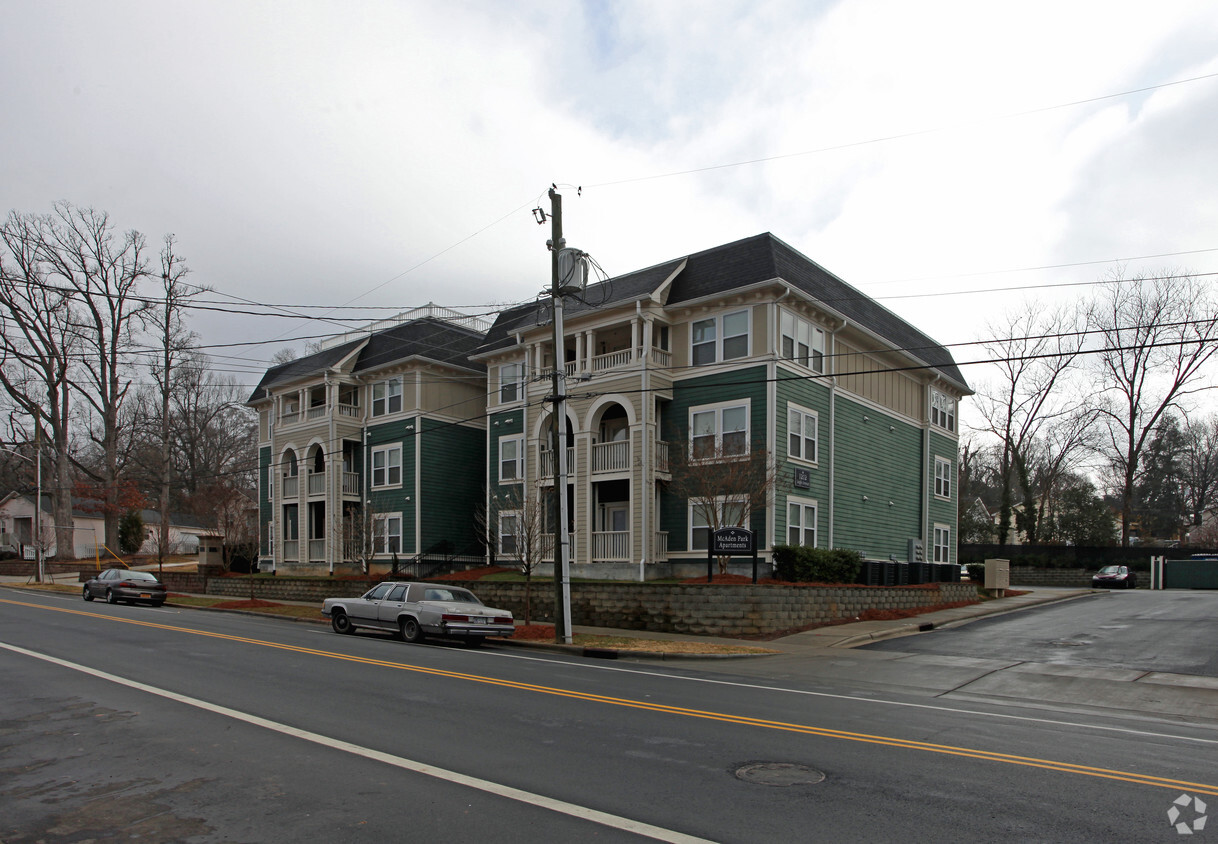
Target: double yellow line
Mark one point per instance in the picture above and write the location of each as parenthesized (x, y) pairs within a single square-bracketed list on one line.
[(950, 750)]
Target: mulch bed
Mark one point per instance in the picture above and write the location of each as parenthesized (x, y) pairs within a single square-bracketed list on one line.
[(473, 574), (253, 604)]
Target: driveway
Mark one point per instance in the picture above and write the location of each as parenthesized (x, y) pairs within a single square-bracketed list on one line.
[(1172, 631)]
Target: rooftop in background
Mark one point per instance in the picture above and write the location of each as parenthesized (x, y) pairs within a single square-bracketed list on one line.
[(431, 309)]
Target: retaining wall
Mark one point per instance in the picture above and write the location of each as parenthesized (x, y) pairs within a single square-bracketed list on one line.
[(700, 609)]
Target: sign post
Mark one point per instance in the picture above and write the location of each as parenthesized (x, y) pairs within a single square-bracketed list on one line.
[(731, 542)]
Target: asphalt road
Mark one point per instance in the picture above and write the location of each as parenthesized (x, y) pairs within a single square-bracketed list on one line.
[(1173, 631), (212, 727)]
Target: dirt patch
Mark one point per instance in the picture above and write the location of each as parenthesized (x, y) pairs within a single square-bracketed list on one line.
[(473, 574)]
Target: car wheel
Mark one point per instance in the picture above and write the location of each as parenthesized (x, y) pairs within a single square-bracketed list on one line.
[(156, 604), (341, 623), (411, 631), (88, 596), (110, 599)]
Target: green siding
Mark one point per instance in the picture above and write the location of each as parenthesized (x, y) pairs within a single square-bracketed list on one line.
[(942, 512), (878, 457), (721, 387), (510, 423), (451, 477), (394, 500), (809, 394)]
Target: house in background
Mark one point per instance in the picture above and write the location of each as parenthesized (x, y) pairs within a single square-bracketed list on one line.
[(372, 449), (743, 347)]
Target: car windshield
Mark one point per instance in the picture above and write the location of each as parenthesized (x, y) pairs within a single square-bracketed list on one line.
[(1110, 570), (461, 596), (140, 575)]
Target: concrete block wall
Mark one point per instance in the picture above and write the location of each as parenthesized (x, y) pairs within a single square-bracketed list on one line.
[(1030, 576)]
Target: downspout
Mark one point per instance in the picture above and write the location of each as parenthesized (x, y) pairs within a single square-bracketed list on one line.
[(927, 480), (772, 432), (274, 482), (832, 361)]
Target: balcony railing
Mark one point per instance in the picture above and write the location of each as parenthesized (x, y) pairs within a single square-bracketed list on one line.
[(547, 545), (661, 357), (289, 417), (317, 550), (291, 486), (317, 483), (316, 412), (612, 360), (351, 410), (350, 483), (662, 464), (610, 546), (611, 457), (547, 462), (291, 549)]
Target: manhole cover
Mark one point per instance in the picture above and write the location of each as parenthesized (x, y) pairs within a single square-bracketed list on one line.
[(779, 773)]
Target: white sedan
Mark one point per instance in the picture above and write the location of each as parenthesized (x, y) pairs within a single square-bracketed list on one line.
[(414, 611)]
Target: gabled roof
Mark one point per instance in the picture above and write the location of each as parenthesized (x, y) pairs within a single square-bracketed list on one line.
[(732, 266), (430, 338)]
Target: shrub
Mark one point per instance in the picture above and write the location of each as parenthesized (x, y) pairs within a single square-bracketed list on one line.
[(800, 564), (130, 532)]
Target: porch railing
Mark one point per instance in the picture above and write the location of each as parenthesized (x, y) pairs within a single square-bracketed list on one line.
[(661, 357), (289, 417), (547, 545), (662, 464), (348, 410), (315, 412), (611, 457), (661, 546), (350, 483), (547, 462), (317, 483), (291, 486), (610, 546), (612, 360)]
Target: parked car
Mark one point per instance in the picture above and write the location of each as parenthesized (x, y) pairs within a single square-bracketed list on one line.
[(1112, 577), (414, 611), (124, 585)]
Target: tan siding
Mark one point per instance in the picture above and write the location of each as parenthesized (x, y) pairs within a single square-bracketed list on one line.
[(466, 399), (871, 378)]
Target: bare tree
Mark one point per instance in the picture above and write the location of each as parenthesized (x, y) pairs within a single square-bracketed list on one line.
[(214, 433), (723, 484), (359, 534), (1033, 353), (37, 349), (1158, 333), (517, 527), (1054, 455), (1200, 467)]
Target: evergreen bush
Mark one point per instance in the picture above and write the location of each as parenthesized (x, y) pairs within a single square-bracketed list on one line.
[(801, 564)]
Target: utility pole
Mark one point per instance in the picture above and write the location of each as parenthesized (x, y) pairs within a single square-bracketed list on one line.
[(562, 538)]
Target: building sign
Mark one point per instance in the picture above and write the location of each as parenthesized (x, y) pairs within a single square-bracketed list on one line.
[(803, 478), (733, 540)]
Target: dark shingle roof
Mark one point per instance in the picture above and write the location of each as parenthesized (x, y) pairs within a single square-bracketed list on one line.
[(732, 266), (426, 337)]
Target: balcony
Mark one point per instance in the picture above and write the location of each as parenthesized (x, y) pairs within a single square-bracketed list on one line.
[(610, 546), (612, 360), (291, 486), (349, 410), (662, 464), (546, 463), (316, 412), (661, 357), (611, 457), (547, 545), (291, 550), (351, 483), (289, 417), (317, 483)]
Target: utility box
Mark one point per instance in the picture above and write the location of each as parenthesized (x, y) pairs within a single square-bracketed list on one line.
[(998, 574), (211, 551)]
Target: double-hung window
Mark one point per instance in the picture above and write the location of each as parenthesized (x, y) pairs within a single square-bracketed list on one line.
[(802, 342), (801, 433), (719, 431), (511, 382), (509, 533), (943, 478), (387, 533), (801, 522), (704, 515), (942, 410), (719, 338), (511, 459), (387, 397), (387, 466), (943, 535)]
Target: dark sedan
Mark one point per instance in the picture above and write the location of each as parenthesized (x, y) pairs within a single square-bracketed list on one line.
[(1115, 577), (123, 585)]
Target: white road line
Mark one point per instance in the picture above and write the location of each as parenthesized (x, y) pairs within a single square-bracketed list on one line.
[(541, 801)]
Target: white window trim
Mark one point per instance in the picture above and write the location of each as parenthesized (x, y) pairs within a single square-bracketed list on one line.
[(692, 507), (946, 548), (800, 458), (717, 408), (381, 548), (945, 480), (816, 340), (519, 384), (384, 384), (509, 514), (719, 337), (519, 440), (804, 503), (948, 412), (385, 449)]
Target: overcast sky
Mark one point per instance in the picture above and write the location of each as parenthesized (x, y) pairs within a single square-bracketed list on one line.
[(389, 153)]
